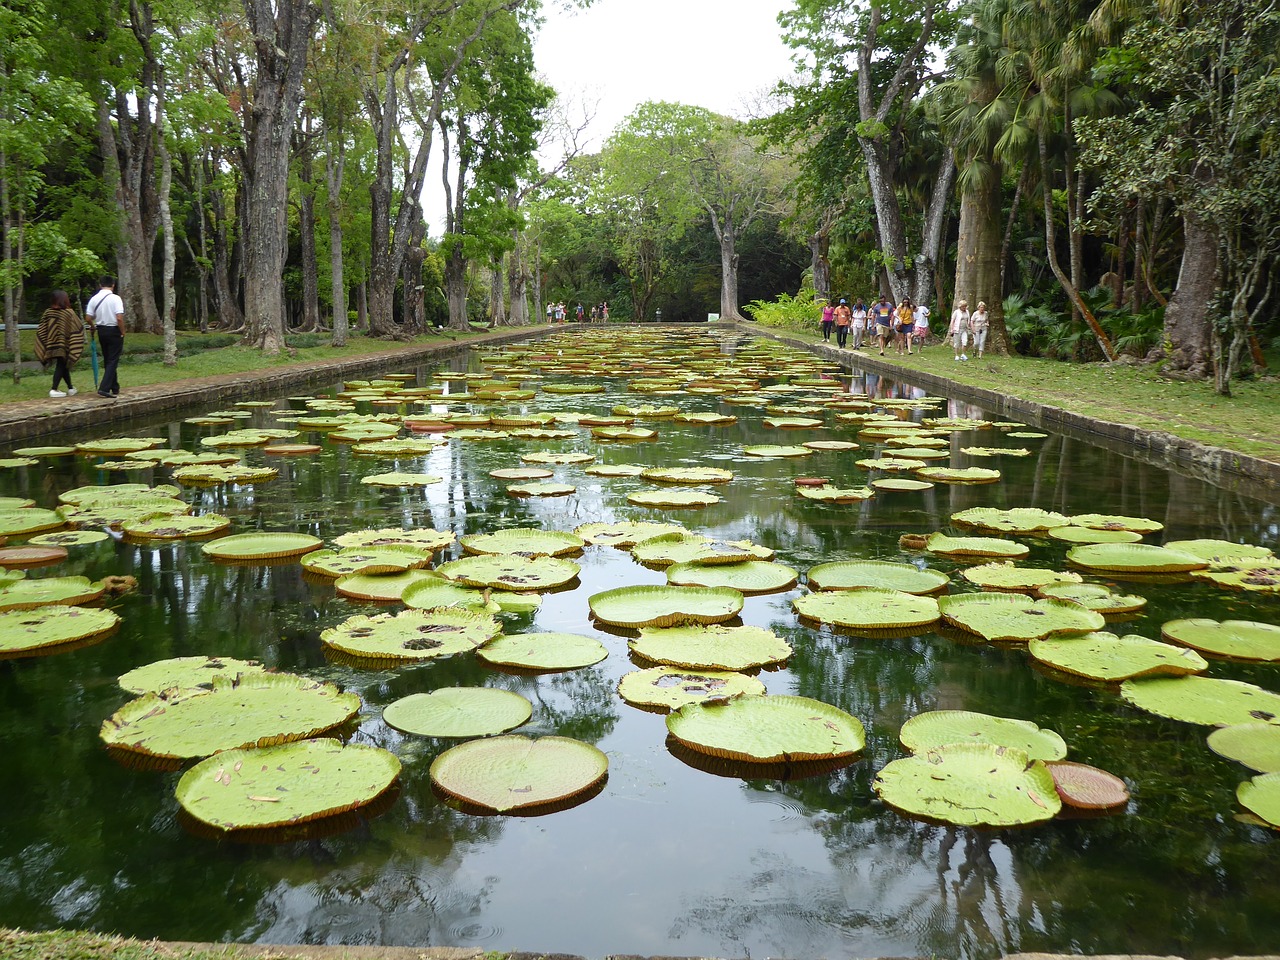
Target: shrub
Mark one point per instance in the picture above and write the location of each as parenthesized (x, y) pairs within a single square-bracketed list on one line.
[(800, 312)]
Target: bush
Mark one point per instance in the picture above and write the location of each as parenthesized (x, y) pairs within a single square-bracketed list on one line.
[(800, 312)]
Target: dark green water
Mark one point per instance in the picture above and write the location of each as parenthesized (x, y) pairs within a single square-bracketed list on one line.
[(667, 859)]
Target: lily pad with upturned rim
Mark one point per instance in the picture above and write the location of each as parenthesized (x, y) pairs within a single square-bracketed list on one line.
[(26, 594), (1237, 639), (1006, 576), (256, 789), (1261, 796), (691, 475), (529, 541), (159, 526), (29, 555), (401, 479), (25, 633), (760, 729), (665, 606), (1133, 558), (970, 784), (458, 712), (712, 647), (1094, 596), (683, 547), (1262, 576), (625, 533), (1221, 552), (261, 546), (1110, 658), (900, 484), (69, 538), (15, 523), (947, 546), (513, 773), (859, 574), (871, 608), (383, 588), (1107, 521), (1017, 618), (186, 673), (1072, 534), (1256, 745), (522, 473), (1085, 787), (510, 572), (958, 475), (773, 450), (394, 558), (412, 634), (669, 688), (543, 651), (750, 576), (1208, 701), (1016, 520), (942, 728), (541, 489), (833, 494), (672, 499), (420, 538)]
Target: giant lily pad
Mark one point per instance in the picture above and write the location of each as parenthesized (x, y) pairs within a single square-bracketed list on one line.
[(529, 541), (1107, 657), (665, 606), (712, 647), (672, 498), (395, 558), (244, 547), (1017, 520), (1087, 788), (858, 574), (256, 789), (958, 475), (761, 729), (1012, 617), (15, 523), (25, 633), (1133, 558), (543, 651), (546, 456), (208, 474), (961, 547), (1090, 535), (625, 533), (69, 591), (694, 475), (383, 587), (830, 493), (412, 634), (750, 576), (185, 673), (161, 526), (1262, 576), (1006, 576), (1221, 552), (1105, 521), (510, 572), (513, 773), (871, 608), (772, 450), (1204, 700), (69, 538), (420, 538), (684, 547), (1094, 596), (540, 489), (669, 688), (1261, 796), (522, 473), (31, 555), (434, 591), (396, 479), (1256, 745), (941, 728), (972, 785), (458, 712), (1238, 639), (260, 710)]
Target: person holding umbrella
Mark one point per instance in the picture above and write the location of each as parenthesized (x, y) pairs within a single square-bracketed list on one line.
[(106, 312), (60, 341)]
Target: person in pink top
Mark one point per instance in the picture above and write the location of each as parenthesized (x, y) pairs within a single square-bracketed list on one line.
[(828, 318)]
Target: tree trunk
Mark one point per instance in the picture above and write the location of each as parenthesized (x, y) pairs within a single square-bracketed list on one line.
[(225, 303), (169, 319), (455, 287), (1188, 336), (729, 274), (497, 306), (819, 249), (338, 289), (537, 281), (517, 285), (362, 307), (11, 340), (307, 237), (978, 255), (415, 318)]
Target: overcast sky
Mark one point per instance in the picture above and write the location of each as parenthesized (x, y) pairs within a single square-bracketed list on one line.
[(708, 53)]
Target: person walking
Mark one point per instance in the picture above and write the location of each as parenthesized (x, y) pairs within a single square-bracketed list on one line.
[(922, 326), (60, 341), (904, 322), (859, 323), (578, 313), (958, 331), (843, 318), (106, 312), (883, 314), (828, 318), (979, 322)]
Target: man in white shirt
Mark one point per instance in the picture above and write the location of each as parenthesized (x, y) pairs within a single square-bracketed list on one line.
[(106, 312)]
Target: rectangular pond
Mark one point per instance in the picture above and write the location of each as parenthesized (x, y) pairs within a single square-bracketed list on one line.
[(673, 856)]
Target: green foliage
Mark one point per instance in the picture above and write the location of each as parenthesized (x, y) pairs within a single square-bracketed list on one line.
[(800, 312)]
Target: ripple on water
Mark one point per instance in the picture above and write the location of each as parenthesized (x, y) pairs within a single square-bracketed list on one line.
[(783, 806), (473, 932)]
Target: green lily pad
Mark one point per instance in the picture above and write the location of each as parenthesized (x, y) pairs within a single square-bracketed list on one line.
[(512, 773), (383, 587), (710, 419), (1107, 657), (395, 558), (1133, 558), (1028, 435), (890, 464), (792, 423), (255, 710), (116, 445), (1094, 596), (665, 606), (541, 489), (185, 673), (1221, 552), (712, 647), (833, 494), (23, 594), (396, 447), (942, 728), (435, 591), (1256, 745), (972, 785), (669, 688), (559, 459), (458, 712), (871, 608), (614, 470), (693, 475), (11, 463), (958, 475), (623, 433), (1106, 521), (946, 546), (684, 547), (922, 453), (996, 451), (900, 484), (543, 651), (645, 411), (1261, 796), (69, 538), (625, 533), (672, 498), (529, 541), (1237, 639), (832, 445), (1261, 576), (412, 634), (160, 526), (92, 495), (261, 546), (749, 577), (48, 451), (30, 555), (1013, 617), (420, 538), (521, 473), (35, 632), (1006, 576), (510, 572), (15, 523), (858, 574), (773, 450), (261, 788), (401, 480), (1204, 700), (15, 503), (768, 729), (1017, 520), (207, 474)]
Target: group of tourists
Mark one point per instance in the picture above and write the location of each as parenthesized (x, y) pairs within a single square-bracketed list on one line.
[(559, 313), (905, 326), (60, 338)]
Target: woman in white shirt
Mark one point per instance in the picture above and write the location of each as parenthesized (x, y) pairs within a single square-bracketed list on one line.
[(978, 324), (959, 329)]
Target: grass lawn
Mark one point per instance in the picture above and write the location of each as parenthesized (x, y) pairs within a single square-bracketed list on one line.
[(1248, 421), (141, 365), (69, 945)]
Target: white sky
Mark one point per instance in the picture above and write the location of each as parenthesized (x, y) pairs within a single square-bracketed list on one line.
[(707, 53)]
